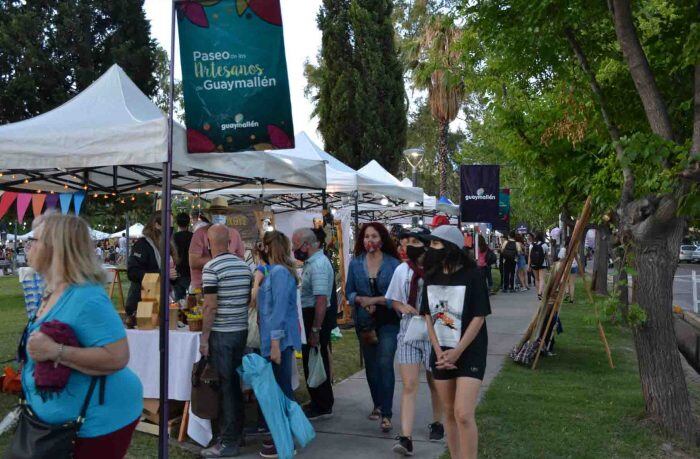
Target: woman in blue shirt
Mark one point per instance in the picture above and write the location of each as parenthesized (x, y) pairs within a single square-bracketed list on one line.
[(61, 251), (377, 324), (278, 316)]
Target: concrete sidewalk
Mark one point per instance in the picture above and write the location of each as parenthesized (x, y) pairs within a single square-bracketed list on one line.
[(349, 434)]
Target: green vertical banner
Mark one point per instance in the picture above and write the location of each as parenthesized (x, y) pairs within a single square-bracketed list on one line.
[(234, 75)]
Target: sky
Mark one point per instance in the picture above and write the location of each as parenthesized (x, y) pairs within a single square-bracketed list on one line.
[(302, 41)]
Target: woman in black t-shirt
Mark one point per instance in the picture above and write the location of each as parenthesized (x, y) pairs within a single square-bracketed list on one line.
[(455, 303)]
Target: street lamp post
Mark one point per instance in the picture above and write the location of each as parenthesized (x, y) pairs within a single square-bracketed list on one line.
[(414, 156)]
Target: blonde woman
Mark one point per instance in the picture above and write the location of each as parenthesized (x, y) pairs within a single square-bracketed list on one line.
[(75, 299), (277, 314)]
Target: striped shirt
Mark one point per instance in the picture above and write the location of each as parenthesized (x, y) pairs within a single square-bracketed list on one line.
[(230, 279)]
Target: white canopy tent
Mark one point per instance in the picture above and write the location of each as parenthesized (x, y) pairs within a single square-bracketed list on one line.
[(94, 235), (112, 138), (135, 232), (340, 179)]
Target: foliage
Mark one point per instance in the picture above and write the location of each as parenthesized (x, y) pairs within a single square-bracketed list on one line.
[(358, 84), (161, 97), (50, 50)]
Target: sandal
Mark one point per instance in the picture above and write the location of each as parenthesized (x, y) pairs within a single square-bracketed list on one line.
[(374, 415), (386, 425)]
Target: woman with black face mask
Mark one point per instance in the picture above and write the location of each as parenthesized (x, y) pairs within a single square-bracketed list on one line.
[(405, 292), (455, 303)]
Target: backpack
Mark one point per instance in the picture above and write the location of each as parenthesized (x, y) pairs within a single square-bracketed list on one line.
[(510, 251), (537, 256), (491, 258)]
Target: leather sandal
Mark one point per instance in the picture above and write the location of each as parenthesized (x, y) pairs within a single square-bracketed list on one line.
[(386, 425), (374, 415)]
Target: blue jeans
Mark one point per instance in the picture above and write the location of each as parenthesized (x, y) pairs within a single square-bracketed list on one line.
[(226, 351), (379, 366), (363, 319), (283, 372)]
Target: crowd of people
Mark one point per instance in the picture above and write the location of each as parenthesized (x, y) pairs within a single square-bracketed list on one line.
[(420, 298)]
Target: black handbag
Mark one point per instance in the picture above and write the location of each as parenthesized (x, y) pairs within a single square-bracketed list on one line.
[(36, 439)]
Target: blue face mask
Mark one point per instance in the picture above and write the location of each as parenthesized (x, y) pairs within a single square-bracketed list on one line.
[(218, 219)]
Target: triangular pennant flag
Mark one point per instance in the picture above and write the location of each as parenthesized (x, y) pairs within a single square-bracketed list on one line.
[(65, 199), (38, 203), (23, 200), (51, 201), (78, 201), (6, 201)]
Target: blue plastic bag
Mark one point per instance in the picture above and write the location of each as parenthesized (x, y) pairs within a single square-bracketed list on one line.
[(284, 417), (301, 427)]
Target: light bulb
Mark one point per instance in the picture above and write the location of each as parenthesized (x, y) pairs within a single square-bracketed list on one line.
[(384, 201)]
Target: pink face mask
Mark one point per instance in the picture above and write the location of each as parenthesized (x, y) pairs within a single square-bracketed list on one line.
[(371, 247)]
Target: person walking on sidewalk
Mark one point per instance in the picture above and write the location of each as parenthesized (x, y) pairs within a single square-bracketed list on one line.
[(537, 262), (316, 290), (277, 314), (509, 255), (485, 260), (571, 283), (226, 282), (521, 262), (377, 324), (405, 292), (455, 304)]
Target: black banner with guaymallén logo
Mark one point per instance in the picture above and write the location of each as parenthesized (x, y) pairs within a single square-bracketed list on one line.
[(480, 187)]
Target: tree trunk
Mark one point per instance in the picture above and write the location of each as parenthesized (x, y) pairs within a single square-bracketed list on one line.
[(600, 259), (642, 76), (655, 233), (663, 381), (443, 156), (621, 279)]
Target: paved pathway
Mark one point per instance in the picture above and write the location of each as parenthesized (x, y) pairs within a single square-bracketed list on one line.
[(350, 435)]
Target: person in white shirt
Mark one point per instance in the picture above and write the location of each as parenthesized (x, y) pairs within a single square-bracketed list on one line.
[(569, 298), (98, 252), (405, 293)]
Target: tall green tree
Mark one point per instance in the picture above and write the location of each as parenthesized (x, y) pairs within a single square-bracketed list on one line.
[(52, 49), (358, 85), (631, 73)]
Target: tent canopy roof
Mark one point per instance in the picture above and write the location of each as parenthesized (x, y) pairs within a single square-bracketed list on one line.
[(112, 138)]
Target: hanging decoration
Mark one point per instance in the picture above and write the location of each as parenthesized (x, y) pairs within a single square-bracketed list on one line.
[(51, 201), (78, 199), (38, 203), (6, 200), (65, 199), (23, 200)]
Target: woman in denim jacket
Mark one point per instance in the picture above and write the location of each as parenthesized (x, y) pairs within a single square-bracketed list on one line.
[(277, 308), (377, 324)]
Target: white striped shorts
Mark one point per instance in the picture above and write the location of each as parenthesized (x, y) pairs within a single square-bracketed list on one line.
[(412, 352)]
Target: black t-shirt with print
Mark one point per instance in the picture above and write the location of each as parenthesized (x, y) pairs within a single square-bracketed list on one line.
[(475, 303)]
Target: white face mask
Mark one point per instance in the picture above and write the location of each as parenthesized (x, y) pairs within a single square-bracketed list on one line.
[(218, 219)]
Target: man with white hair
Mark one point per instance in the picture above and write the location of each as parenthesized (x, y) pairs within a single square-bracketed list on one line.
[(316, 289)]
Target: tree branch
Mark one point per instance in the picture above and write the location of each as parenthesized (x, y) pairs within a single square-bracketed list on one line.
[(613, 131), (654, 105)]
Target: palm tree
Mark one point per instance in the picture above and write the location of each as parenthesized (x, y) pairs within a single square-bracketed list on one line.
[(435, 63)]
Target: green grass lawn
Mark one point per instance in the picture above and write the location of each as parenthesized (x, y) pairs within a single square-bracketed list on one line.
[(573, 405), (14, 318)]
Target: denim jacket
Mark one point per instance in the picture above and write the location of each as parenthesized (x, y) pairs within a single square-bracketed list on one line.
[(278, 317), (358, 283)]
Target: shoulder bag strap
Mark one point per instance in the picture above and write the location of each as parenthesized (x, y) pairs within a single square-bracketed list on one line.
[(93, 383)]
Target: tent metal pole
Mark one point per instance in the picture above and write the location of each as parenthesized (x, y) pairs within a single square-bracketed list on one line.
[(165, 263), (126, 255), (357, 215)]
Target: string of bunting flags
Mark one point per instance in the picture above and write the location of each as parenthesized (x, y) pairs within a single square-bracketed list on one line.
[(40, 202)]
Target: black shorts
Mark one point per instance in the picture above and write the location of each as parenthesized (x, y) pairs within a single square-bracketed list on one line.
[(471, 364)]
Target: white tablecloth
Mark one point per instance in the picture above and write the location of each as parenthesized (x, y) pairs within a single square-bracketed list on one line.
[(144, 361)]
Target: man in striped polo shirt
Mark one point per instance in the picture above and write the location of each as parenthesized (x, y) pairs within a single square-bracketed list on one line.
[(226, 283)]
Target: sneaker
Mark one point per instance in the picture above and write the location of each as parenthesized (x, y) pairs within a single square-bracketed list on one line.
[(271, 452), (220, 450), (256, 431), (404, 446), (436, 431)]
